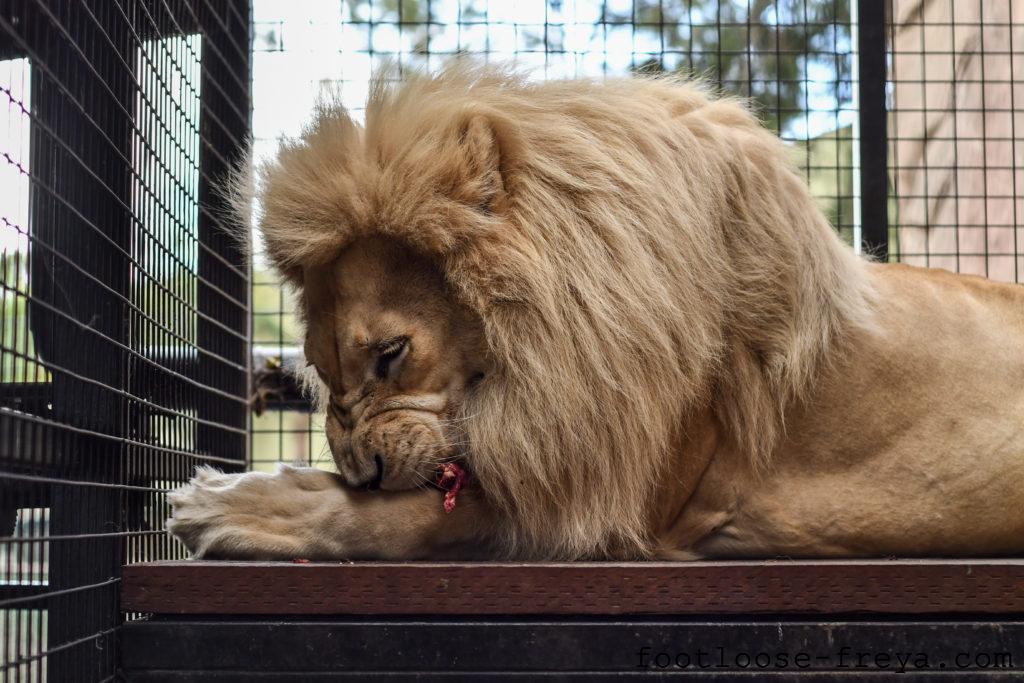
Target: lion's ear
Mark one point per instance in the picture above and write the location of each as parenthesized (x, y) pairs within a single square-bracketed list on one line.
[(484, 162)]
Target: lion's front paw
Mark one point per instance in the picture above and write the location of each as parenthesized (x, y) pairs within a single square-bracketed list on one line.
[(200, 510), (237, 516)]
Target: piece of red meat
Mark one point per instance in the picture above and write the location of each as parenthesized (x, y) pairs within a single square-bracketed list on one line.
[(450, 477)]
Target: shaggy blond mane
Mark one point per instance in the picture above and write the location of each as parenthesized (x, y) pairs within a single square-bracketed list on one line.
[(636, 249)]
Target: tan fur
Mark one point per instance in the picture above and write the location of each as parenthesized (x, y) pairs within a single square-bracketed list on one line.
[(657, 295)]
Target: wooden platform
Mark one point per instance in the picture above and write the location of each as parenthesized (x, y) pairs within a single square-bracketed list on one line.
[(698, 588), (920, 620)]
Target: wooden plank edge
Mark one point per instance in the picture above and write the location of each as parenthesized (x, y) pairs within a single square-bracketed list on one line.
[(699, 588)]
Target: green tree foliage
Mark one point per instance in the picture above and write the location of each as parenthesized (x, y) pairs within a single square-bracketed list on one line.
[(756, 48), (18, 361), (762, 49)]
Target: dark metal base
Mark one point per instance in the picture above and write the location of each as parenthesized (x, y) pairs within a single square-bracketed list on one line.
[(245, 649)]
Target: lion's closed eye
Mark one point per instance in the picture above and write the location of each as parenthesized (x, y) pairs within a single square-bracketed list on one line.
[(390, 357)]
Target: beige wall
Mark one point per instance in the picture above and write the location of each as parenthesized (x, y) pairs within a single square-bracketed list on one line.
[(957, 146)]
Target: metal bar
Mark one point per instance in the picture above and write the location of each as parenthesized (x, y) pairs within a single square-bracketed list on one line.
[(224, 28), (874, 173)]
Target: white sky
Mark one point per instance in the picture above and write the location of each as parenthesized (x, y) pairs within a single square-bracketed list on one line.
[(14, 140)]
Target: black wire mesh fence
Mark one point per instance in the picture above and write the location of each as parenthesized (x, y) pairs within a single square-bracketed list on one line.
[(124, 303)]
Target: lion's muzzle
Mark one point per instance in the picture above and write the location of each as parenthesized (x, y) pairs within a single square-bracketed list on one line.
[(396, 449)]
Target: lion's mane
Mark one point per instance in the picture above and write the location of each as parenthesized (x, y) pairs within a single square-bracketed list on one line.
[(636, 249)]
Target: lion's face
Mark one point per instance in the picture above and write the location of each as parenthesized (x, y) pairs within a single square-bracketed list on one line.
[(396, 358)]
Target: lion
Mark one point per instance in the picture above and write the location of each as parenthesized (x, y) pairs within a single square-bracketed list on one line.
[(618, 307)]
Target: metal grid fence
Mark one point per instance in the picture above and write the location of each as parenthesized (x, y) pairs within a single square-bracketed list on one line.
[(956, 149), (124, 303)]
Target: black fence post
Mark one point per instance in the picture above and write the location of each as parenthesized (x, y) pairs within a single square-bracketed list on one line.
[(223, 296), (874, 172)]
